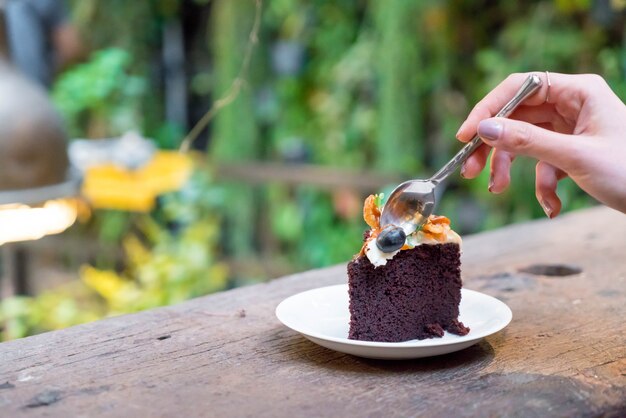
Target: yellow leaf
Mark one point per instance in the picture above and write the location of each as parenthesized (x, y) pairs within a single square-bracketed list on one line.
[(137, 253), (107, 283)]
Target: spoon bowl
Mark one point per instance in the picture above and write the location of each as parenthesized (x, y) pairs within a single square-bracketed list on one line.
[(409, 204)]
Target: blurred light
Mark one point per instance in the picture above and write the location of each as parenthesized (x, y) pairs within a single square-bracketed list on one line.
[(19, 222)]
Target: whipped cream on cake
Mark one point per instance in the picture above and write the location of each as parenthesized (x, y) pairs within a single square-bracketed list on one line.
[(436, 230)]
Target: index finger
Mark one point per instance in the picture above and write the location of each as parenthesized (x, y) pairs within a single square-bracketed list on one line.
[(495, 100)]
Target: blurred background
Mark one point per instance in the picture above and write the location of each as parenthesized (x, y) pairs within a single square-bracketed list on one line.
[(288, 114)]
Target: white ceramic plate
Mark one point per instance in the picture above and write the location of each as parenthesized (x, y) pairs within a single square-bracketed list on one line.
[(322, 316)]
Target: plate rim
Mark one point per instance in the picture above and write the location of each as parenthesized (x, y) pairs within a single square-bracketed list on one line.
[(429, 342)]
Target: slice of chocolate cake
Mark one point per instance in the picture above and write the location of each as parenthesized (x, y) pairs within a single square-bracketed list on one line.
[(411, 293)]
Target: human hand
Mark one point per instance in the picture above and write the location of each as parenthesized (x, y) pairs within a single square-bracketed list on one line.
[(575, 127)]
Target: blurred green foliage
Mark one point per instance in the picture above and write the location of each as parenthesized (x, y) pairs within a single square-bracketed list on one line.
[(100, 95), (359, 85)]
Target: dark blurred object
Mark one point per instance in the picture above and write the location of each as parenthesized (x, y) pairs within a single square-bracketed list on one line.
[(32, 139), (33, 148), (34, 165), (40, 37)]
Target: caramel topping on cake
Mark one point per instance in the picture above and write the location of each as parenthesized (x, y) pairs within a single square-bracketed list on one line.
[(371, 212), (436, 228)]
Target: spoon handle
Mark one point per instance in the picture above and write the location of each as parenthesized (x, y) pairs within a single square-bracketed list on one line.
[(530, 86)]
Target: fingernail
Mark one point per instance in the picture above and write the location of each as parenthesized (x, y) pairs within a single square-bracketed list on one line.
[(490, 184), (463, 171), (490, 129), (459, 131), (546, 208)]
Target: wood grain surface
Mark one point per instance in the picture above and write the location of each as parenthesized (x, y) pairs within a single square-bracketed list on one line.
[(564, 353)]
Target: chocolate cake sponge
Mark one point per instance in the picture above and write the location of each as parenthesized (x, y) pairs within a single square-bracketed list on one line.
[(416, 295)]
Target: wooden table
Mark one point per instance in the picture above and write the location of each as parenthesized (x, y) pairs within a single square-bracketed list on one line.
[(564, 354)]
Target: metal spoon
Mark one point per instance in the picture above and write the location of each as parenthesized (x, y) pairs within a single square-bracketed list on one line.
[(412, 202)]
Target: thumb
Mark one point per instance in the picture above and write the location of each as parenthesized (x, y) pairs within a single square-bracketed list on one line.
[(523, 138)]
